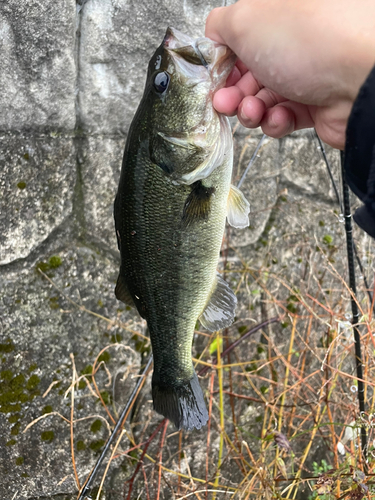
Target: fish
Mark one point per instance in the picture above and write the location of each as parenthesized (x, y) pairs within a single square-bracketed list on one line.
[(173, 200)]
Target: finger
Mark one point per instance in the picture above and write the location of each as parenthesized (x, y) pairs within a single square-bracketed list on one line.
[(227, 100), (248, 84), (285, 118), (251, 111), (302, 114), (252, 108), (278, 122), (241, 66), (215, 24), (233, 77), (269, 97)]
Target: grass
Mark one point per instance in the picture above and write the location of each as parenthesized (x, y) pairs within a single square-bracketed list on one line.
[(284, 420)]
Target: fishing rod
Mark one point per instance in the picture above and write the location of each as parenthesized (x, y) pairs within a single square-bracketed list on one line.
[(355, 311), (351, 252), (325, 158)]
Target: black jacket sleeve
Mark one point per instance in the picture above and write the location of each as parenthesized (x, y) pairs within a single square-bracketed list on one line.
[(359, 161)]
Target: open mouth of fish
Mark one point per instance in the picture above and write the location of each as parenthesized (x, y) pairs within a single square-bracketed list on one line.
[(201, 52)]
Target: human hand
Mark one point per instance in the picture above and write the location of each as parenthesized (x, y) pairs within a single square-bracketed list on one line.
[(300, 65)]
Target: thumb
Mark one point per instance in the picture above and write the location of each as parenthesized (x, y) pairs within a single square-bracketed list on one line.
[(215, 25)]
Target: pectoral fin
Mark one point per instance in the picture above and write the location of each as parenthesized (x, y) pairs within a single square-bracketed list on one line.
[(122, 292), (219, 312), (198, 203), (238, 209)]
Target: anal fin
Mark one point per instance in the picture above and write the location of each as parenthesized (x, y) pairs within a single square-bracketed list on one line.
[(219, 312), (238, 209)]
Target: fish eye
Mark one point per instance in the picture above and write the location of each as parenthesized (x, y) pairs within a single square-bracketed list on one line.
[(161, 82)]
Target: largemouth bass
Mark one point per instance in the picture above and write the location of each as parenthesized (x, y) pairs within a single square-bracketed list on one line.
[(173, 199)]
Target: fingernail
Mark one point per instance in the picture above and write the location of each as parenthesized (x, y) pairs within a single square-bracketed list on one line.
[(243, 116)]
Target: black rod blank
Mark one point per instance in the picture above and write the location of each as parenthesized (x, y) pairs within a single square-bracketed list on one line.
[(355, 311), (329, 169)]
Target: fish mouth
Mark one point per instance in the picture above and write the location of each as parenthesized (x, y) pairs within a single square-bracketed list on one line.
[(202, 52), (185, 46)]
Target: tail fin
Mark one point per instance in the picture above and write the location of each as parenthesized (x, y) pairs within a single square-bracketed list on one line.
[(183, 404)]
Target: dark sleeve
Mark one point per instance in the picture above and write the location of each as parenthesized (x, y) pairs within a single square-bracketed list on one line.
[(360, 154)]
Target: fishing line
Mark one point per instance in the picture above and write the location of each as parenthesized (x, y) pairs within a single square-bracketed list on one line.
[(252, 160), (355, 312), (85, 492), (321, 146), (200, 55)]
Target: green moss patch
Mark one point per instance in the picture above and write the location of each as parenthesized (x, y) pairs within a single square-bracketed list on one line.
[(97, 445), (54, 303), (143, 346), (16, 390), (116, 338), (87, 370), (80, 445), (96, 426), (14, 418), (33, 382), (15, 430), (53, 263), (106, 397), (105, 356), (47, 436), (7, 347)]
